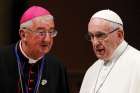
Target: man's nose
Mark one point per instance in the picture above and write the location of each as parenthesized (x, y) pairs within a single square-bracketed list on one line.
[(95, 41)]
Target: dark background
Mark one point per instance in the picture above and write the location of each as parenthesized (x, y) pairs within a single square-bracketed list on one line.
[(71, 19)]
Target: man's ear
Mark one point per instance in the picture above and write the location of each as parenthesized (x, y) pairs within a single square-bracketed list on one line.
[(22, 34), (121, 34)]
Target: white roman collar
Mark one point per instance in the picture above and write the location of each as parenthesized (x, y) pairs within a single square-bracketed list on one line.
[(31, 61), (118, 52)]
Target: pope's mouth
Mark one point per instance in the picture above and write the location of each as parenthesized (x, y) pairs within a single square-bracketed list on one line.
[(100, 51)]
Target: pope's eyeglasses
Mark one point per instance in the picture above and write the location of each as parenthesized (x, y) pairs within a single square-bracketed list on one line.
[(98, 35)]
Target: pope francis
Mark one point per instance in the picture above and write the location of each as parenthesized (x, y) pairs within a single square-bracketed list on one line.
[(117, 69)]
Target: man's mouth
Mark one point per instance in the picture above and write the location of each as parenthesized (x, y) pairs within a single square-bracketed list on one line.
[(100, 51), (45, 45)]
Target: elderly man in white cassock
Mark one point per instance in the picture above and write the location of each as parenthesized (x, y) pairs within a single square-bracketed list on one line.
[(117, 69)]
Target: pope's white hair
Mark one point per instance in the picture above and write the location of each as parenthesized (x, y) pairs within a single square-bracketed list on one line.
[(116, 25)]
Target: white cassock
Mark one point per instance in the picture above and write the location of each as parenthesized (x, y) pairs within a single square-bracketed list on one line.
[(120, 75)]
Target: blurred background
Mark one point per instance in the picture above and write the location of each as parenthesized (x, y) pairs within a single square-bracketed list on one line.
[(71, 19)]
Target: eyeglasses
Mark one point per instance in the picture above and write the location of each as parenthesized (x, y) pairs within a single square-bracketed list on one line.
[(99, 35), (40, 32)]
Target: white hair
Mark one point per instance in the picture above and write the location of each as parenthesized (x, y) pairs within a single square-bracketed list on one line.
[(26, 24), (29, 23), (116, 25)]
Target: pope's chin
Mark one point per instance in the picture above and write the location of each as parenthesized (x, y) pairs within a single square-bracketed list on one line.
[(99, 55), (102, 57)]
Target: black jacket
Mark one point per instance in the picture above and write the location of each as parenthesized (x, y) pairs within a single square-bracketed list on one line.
[(53, 72)]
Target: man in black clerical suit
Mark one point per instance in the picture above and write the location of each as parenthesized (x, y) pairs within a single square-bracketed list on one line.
[(27, 67)]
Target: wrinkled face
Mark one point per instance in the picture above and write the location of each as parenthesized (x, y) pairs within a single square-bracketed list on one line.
[(36, 43), (105, 46)]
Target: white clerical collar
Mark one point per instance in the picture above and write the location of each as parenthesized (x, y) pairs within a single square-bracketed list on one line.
[(31, 61), (107, 67), (118, 52)]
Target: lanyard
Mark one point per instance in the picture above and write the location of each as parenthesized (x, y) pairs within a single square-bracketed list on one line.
[(20, 71)]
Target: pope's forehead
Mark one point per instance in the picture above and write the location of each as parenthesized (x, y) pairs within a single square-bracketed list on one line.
[(99, 22)]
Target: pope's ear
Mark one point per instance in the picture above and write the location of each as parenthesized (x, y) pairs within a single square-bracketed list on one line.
[(121, 34)]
